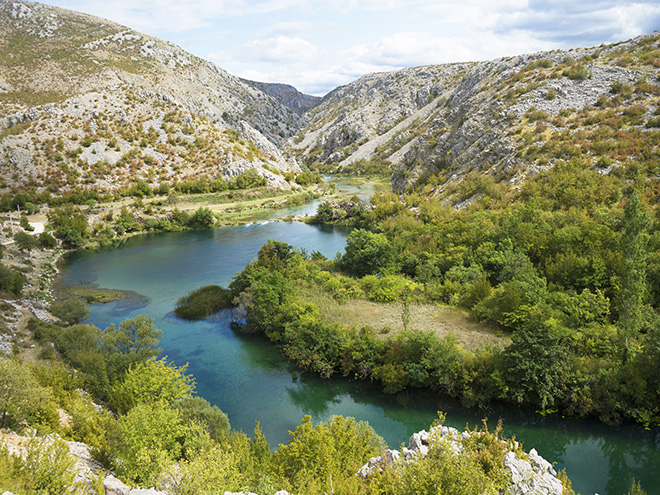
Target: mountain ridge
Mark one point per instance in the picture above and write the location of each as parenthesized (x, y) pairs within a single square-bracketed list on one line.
[(442, 122)]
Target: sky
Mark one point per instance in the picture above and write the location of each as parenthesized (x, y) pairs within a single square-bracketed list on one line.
[(317, 45)]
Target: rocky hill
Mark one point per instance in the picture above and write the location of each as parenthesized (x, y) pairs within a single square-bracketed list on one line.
[(505, 118), (287, 95), (88, 103)]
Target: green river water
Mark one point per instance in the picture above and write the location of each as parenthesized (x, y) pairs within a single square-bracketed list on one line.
[(247, 378)]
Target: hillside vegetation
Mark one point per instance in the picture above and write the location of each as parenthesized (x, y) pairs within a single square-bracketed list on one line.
[(86, 104)]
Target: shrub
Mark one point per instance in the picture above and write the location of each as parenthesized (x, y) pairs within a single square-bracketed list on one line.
[(368, 254), (148, 441), (579, 72), (11, 281), (203, 302), (197, 409), (317, 455), (48, 468), (47, 241), (70, 311), (150, 382), (22, 399)]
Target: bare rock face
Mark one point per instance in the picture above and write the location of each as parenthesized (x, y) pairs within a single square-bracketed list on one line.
[(531, 475), (287, 95)]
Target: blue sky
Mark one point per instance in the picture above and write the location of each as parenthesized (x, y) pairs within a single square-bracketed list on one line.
[(317, 45)]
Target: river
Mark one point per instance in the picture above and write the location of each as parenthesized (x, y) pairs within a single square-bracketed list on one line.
[(247, 378)]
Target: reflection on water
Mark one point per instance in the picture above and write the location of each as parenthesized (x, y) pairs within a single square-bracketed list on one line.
[(247, 378)]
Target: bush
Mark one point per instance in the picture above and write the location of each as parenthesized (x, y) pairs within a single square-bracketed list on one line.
[(211, 418), (318, 455), (579, 72), (203, 302), (150, 382), (70, 311), (22, 399), (368, 254), (203, 218), (148, 441), (47, 241), (47, 469), (11, 281)]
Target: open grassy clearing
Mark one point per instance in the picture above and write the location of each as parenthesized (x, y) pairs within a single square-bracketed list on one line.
[(386, 319)]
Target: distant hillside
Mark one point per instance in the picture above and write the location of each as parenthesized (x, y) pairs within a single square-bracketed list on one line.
[(287, 96), (507, 118), (85, 102)]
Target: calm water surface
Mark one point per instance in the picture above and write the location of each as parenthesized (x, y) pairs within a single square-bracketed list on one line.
[(246, 377)]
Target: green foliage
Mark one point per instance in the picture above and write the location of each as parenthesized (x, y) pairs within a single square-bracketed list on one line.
[(148, 441), (578, 72), (25, 241), (633, 275), (386, 289), (11, 281), (70, 311), (317, 455), (323, 212), (152, 381), (203, 302), (367, 253), (211, 418), (441, 471), (48, 469), (134, 341), (21, 396), (69, 225), (536, 360), (47, 241), (203, 218), (216, 470)]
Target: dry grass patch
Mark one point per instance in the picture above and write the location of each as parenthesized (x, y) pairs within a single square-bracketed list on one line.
[(441, 320)]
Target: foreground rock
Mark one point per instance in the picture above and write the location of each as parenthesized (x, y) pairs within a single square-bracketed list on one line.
[(531, 475)]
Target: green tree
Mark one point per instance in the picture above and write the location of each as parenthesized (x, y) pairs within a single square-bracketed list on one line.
[(47, 241), (11, 281), (70, 311), (148, 441), (26, 242), (632, 288), (134, 341), (323, 213), (203, 218), (69, 224), (50, 467), (536, 360), (368, 253), (215, 470), (316, 455), (210, 417), (151, 381)]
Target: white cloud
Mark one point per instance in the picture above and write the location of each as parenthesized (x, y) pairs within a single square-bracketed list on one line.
[(279, 49), (318, 44)]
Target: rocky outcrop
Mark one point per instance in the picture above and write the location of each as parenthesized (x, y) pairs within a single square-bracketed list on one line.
[(531, 474), (287, 95)]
